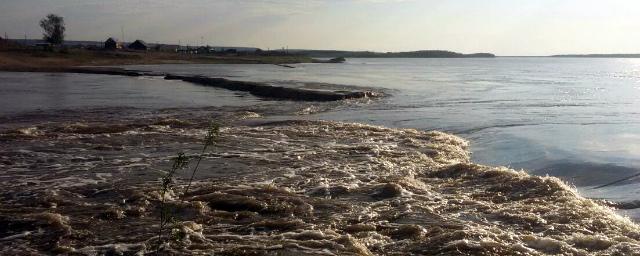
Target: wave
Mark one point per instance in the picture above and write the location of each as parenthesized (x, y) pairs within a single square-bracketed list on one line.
[(294, 187)]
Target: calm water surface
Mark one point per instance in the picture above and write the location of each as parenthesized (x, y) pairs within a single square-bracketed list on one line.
[(28, 92)]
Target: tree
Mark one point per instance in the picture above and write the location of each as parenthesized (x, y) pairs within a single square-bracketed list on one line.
[(53, 26)]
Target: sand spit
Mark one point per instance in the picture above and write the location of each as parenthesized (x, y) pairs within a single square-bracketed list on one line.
[(286, 188), (276, 92)]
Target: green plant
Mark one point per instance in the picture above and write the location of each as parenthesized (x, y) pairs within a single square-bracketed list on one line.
[(179, 162), (212, 134)]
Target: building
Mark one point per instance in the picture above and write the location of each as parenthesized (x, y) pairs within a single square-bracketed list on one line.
[(139, 45), (44, 46), (112, 44), (204, 50), (166, 47), (186, 50), (4, 43)]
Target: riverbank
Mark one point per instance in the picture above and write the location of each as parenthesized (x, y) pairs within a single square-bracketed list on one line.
[(89, 184), (38, 60)]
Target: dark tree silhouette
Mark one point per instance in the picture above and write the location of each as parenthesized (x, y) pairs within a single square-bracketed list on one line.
[(53, 26)]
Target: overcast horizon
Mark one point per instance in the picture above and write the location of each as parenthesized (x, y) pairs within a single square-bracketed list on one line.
[(505, 28)]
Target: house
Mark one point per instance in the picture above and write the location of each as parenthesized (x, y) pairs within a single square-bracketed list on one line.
[(166, 47), (204, 49), (44, 46), (139, 45), (187, 50), (4, 43), (112, 44)]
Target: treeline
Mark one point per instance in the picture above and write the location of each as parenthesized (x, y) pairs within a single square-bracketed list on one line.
[(369, 54)]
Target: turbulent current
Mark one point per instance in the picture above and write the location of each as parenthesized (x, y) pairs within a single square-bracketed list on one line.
[(89, 183)]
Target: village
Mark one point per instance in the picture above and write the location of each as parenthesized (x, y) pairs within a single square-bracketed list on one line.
[(138, 45), (40, 55)]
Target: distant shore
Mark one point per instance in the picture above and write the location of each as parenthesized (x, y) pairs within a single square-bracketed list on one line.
[(33, 59), (410, 54), (597, 56), (45, 61)]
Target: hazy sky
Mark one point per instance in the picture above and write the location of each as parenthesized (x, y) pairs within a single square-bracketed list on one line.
[(504, 27)]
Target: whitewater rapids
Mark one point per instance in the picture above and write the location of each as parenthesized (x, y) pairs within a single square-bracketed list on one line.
[(285, 188)]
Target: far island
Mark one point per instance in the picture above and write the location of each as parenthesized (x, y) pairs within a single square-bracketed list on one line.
[(370, 54), (617, 55)]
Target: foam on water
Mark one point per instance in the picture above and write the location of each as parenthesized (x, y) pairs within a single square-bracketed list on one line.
[(290, 187)]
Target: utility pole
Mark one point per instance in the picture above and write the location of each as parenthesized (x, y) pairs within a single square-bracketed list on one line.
[(122, 32)]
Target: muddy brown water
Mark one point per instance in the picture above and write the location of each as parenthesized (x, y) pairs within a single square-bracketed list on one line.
[(89, 184)]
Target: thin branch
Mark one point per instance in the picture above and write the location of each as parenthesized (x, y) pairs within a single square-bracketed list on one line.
[(212, 133), (618, 181)]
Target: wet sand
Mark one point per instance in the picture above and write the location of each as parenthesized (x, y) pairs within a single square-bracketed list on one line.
[(87, 182)]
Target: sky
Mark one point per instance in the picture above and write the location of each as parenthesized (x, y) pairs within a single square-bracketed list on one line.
[(502, 27)]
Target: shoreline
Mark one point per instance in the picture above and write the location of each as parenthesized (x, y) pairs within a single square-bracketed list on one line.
[(32, 58)]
